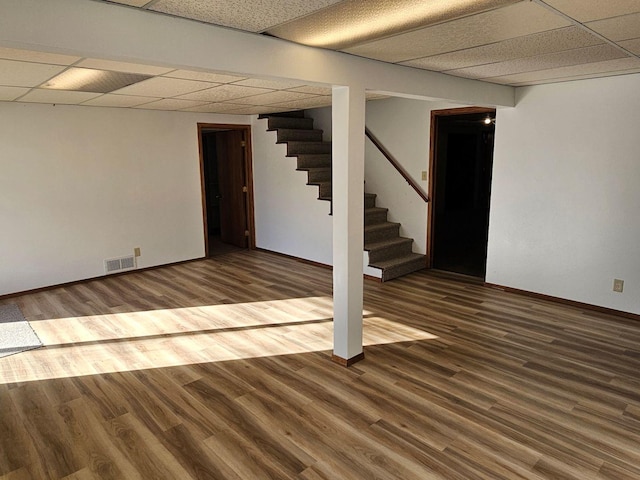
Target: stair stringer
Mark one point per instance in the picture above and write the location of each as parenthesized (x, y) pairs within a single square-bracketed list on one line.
[(288, 217)]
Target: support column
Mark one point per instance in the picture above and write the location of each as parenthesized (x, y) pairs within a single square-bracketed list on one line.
[(348, 114)]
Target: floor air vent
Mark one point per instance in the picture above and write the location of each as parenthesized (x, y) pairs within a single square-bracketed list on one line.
[(121, 264)]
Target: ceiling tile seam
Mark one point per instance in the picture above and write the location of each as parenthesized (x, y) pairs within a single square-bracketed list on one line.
[(574, 78), (488, 79), (151, 100), (482, 45), (150, 4), (291, 20), (66, 65), (444, 22), (276, 103), (528, 57), (581, 25), (31, 89)]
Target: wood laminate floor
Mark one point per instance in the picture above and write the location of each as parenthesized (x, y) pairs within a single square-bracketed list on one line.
[(219, 369)]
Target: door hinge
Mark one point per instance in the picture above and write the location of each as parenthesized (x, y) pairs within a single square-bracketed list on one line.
[(246, 233), (245, 189), (243, 144)]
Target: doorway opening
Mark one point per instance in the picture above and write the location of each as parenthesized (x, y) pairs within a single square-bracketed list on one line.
[(227, 187), (460, 189)]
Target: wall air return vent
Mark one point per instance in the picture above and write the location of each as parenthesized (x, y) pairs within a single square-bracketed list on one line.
[(121, 264)]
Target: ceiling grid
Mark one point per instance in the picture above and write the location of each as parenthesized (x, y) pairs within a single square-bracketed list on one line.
[(510, 42)]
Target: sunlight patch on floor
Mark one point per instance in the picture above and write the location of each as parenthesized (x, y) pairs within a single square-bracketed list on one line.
[(183, 336)]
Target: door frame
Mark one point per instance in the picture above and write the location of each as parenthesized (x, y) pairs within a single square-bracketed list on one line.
[(435, 115), (248, 170)]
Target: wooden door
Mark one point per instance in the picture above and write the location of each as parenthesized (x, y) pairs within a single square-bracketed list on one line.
[(231, 174)]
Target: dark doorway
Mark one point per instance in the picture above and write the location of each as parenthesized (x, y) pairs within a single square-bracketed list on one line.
[(227, 188), (460, 189)]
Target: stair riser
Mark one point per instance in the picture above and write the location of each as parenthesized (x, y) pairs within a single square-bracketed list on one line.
[(381, 234), (369, 201), (390, 252), (299, 135), (316, 176), (286, 122), (404, 269), (371, 218), (297, 148), (324, 190), (313, 161)]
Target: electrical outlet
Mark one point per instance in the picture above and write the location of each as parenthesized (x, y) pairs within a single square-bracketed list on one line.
[(618, 285), (136, 251), (424, 174)]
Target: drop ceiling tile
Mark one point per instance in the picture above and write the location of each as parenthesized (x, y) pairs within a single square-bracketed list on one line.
[(25, 74), (62, 97), (529, 45), (632, 45), (618, 65), (272, 84), (588, 10), (224, 92), (354, 22), (163, 87), (8, 94), (99, 64), (215, 77), (314, 102), (313, 89), (169, 104), (214, 108), (255, 16), (597, 53), (515, 20), (619, 28), (37, 57), (274, 97), (110, 100)]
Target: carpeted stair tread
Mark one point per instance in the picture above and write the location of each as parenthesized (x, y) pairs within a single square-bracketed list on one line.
[(389, 248), (289, 122), (380, 232), (392, 242), (317, 174), (285, 135), (375, 215), (397, 267), (369, 200), (381, 226), (290, 114), (314, 160), (295, 148)]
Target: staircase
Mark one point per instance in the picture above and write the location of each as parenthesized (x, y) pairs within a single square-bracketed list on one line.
[(388, 251)]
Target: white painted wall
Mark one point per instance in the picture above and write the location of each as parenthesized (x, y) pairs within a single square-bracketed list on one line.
[(289, 217), (402, 126), (565, 200), (82, 184)]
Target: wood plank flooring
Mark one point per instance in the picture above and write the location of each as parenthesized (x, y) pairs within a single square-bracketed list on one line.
[(219, 369)]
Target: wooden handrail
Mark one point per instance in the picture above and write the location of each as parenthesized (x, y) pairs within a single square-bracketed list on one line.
[(395, 163)]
